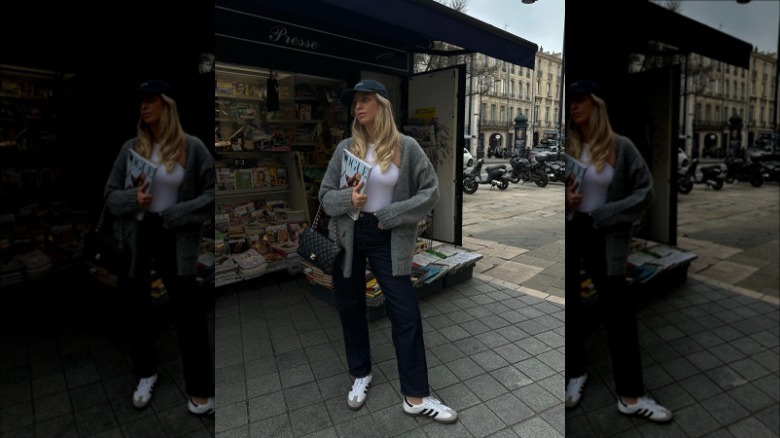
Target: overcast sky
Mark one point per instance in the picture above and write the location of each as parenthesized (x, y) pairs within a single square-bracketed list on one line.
[(756, 22), (542, 22)]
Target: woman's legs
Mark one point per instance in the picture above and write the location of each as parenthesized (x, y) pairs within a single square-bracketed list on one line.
[(351, 303), (576, 239), (190, 310)]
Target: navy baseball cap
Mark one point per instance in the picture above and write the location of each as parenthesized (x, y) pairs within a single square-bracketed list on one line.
[(154, 86), (365, 86), (585, 87)]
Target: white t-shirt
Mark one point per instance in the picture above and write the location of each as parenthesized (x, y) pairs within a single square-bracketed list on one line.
[(380, 185), (165, 185), (595, 185)]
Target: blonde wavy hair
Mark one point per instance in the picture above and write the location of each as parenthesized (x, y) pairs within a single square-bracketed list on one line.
[(385, 133), (171, 133), (600, 138)]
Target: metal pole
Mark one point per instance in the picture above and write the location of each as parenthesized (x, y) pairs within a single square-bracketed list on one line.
[(472, 128)]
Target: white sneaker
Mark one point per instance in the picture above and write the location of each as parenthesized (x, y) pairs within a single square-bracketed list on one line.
[(433, 408), (357, 396), (574, 390), (204, 409), (143, 392), (645, 407)]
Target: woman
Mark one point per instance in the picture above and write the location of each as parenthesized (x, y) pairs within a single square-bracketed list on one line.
[(615, 191), (400, 191), (174, 206)]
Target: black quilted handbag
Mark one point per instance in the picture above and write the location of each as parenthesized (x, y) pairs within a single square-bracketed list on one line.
[(107, 258), (318, 249)]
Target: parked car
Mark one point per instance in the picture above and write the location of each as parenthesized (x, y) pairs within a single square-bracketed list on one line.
[(468, 159)]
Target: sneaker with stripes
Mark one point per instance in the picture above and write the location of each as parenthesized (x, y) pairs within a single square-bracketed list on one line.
[(432, 408), (357, 396), (645, 407)]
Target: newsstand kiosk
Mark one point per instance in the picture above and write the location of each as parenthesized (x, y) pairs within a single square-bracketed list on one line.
[(280, 69)]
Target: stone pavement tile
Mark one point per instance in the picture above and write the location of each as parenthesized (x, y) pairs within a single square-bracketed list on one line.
[(749, 369), (458, 397), (238, 432), (460, 369), (752, 398), (535, 369), (726, 378), (340, 412), (381, 396), (361, 426), (727, 353), (673, 397), (513, 272), (486, 387), (724, 409), (60, 426), (296, 376), (471, 346), (695, 420), (728, 272), (480, 420), (770, 384), (95, 419), (310, 419), (649, 429), (751, 427), (744, 258), (655, 376), (608, 421), (770, 359), (536, 397), (324, 433), (700, 387), (556, 418), (770, 417), (393, 420), (177, 421), (533, 259), (278, 426), (261, 408), (302, 396), (510, 377), (577, 426), (679, 368), (491, 339), (596, 395), (510, 409), (434, 429)]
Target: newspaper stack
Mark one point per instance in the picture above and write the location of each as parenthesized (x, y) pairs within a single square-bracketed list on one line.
[(250, 264)]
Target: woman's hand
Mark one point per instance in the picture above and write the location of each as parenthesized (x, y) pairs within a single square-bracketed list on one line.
[(573, 199), (144, 199), (359, 199)]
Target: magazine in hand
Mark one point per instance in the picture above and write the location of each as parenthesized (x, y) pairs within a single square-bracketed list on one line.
[(577, 169), (353, 171), (139, 169)]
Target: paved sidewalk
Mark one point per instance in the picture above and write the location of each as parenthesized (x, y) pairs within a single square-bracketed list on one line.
[(495, 353)]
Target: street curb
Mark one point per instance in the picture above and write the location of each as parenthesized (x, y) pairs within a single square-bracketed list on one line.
[(523, 289), (736, 289)]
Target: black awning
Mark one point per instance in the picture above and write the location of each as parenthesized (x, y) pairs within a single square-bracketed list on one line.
[(690, 36), (408, 25)]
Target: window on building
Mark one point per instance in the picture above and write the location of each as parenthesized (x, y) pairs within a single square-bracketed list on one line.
[(547, 115), (536, 114), (538, 88), (557, 121), (511, 114), (726, 88), (707, 114), (527, 72), (527, 91), (761, 118), (502, 114), (742, 90), (725, 114), (734, 91), (697, 114), (717, 114), (493, 113), (717, 87), (742, 113), (483, 113), (706, 85), (751, 113), (771, 115)]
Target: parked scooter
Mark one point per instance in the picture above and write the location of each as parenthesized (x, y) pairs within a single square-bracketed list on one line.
[(525, 170), (738, 169), (553, 167), (711, 175), (496, 177)]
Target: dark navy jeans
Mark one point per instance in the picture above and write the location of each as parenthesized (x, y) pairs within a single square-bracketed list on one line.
[(586, 249), (401, 303)]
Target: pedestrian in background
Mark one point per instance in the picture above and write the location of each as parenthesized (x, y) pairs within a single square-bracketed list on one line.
[(400, 191), (615, 191), (167, 239)]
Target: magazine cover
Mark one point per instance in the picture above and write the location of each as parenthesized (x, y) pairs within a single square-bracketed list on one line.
[(353, 170), (577, 169), (139, 169)]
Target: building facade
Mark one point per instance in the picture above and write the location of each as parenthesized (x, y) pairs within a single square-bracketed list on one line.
[(497, 92), (717, 95)]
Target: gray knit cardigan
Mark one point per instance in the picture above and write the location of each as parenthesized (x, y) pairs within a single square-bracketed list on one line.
[(195, 204), (628, 198), (416, 192)]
